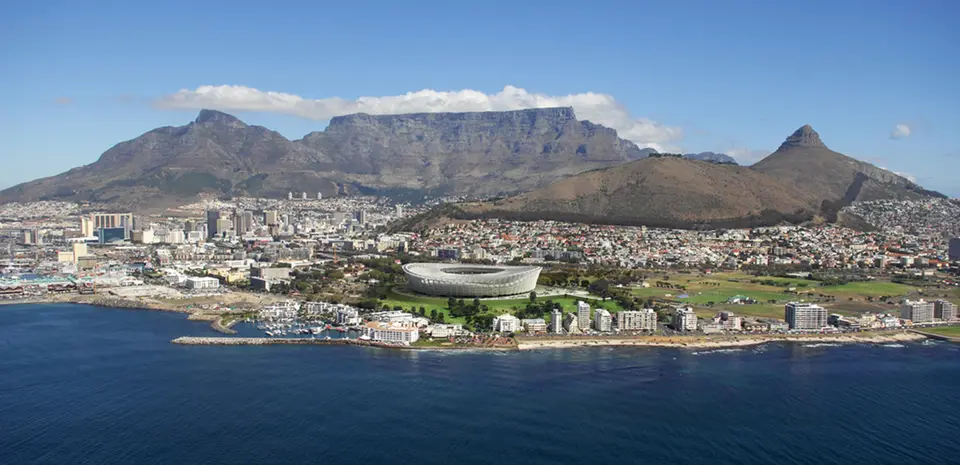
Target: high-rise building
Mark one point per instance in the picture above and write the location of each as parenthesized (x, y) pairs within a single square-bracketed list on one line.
[(303, 196), (242, 222), (571, 323), (953, 252), (86, 227), (943, 310), (602, 320), (362, 217), (319, 195), (805, 316), (684, 319), (399, 210), (189, 226), (583, 315), (271, 218), (112, 220), (224, 226), (556, 321), (917, 311), (213, 217), (290, 195), (637, 320)]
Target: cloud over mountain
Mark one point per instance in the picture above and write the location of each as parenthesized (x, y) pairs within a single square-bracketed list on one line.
[(596, 107), (901, 131)]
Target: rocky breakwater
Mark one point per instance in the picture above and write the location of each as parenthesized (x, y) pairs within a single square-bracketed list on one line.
[(258, 341)]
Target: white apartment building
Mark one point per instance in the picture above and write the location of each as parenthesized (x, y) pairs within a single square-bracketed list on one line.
[(684, 319), (280, 310), (945, 311), (204, 282), (347, 316), (445, 330), (637, 320), (602, 320), (583, 315), (556, 321), (571, 323), (506, 323), (917, 311), (395, 333), (534, 325), (805, 316)]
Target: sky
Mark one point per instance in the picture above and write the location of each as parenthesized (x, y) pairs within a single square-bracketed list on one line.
[(877, 79)]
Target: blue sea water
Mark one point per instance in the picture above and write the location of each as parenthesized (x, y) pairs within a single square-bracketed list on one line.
[(86, 385)]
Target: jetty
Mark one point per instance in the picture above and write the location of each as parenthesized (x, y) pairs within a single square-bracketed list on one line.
[(261, 341)]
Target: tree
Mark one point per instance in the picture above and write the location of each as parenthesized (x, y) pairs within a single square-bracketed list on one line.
[(533, 296), (440, 318), (433, 314), (451, 303)]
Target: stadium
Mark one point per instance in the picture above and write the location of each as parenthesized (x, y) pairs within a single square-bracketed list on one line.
[(461, 280)]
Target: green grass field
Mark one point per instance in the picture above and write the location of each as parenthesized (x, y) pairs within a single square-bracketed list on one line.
[(497, 306), (951, 331), (851, 298)]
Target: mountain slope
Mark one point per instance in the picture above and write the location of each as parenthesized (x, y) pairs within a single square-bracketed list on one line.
[(670, 192), (832, 178)]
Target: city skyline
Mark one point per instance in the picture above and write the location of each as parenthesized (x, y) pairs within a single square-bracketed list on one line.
[(749, 77)]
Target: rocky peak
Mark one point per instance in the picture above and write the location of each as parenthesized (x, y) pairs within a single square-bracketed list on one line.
[(803, 137), (218, 117)]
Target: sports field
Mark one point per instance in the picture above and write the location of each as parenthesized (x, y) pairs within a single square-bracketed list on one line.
[(496, 306)]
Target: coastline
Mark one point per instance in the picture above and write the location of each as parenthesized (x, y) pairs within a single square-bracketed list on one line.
[(721, 342), (522, 343)]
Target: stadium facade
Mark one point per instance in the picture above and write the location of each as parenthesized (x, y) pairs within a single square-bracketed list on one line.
[(463, 280)]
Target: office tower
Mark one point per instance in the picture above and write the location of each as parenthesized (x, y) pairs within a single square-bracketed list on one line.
[(805, 316), (290, 195), (189, 226), (213, 217), (953, 252)]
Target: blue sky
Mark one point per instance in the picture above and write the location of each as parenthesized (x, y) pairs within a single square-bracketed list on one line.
[(731, 76)]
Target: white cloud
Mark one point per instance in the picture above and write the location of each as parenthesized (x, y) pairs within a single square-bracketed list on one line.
[(901, 131), (746, 156), (598, 108)]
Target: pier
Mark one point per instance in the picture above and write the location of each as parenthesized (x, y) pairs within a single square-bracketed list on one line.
[(261, 341)]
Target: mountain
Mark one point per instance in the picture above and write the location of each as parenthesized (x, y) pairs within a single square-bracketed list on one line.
[(803, 180), (834, 179), (667, 192), (458, 153), (478, 153), (215, 153), (711, 157)]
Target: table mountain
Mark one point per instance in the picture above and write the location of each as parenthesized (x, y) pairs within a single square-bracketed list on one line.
[(479, 153), (459, 153)]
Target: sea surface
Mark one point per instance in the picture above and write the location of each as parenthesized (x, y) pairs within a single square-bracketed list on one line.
[(86, 385)]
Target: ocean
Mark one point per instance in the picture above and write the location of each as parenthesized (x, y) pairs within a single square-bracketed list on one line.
[(87, 385)]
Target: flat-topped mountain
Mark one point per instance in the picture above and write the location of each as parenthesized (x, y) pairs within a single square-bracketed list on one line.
[(458, 153), (480, 152)]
